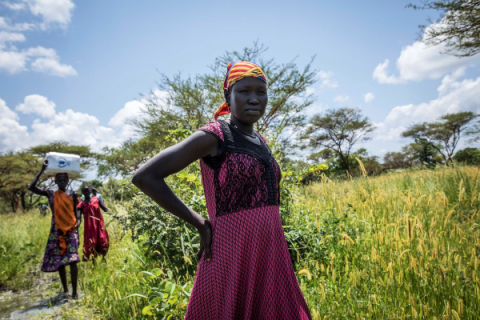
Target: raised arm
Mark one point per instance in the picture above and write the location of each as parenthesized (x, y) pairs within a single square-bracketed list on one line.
[(150, 178), (33, 185)]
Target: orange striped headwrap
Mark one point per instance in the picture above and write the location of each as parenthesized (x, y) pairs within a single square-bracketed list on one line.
[(236, 72)]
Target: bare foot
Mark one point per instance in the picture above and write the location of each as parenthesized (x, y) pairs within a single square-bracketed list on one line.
[(74, 296)]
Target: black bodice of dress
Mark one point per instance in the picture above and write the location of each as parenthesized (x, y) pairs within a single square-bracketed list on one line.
[(246, 174)]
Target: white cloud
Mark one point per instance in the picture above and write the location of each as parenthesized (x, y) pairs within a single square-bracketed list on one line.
[(6, 36), (53, 67), (341, 99), (130, 111), (453, 96), (380, 73), (14, 5), (420, 61), (42, 52), (52, 12), (74, 127), (325, 79), (46, 61), (12, 134), (71, 126), (38, 105), (368, 97), (12, 61), (4, 24)]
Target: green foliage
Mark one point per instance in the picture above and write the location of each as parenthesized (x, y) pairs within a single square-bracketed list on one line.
[(128, 158), (383, 247), (338, 169), (167, 298), (444, 134), (168, 237), (118, 190), (22, 244), (469, 156), (457, 27), (338, 131), (16, 171)]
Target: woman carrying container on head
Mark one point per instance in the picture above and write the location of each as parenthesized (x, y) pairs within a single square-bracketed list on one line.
[(62, 245), (95, 241), (244, 269)]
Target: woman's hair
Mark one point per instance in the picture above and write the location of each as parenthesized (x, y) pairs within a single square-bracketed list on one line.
[(86, 186)]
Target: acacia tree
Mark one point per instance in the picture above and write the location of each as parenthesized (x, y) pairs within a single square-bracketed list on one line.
[(339, 131), (458, 27), (16, 171), (444, 134), (190, 102)]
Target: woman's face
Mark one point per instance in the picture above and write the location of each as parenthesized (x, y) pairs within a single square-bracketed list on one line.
[(248, 99), (62, 182), (86, 192)]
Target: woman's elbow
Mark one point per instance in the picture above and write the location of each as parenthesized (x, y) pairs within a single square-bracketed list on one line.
[(137, 179)]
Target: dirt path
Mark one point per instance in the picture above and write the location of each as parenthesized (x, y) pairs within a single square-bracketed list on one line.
[(42, 301)]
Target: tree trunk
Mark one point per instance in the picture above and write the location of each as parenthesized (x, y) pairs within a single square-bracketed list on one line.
[(345, 163), (22, 198)]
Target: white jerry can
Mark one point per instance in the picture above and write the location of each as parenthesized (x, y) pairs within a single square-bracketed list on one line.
[(62, 162)]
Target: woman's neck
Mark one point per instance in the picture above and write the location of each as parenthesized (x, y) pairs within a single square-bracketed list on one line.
[(245, 127)]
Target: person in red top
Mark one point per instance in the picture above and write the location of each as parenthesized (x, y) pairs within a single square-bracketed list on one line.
[(96, 239)]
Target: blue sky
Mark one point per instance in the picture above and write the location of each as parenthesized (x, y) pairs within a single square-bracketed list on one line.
[(72, 70)]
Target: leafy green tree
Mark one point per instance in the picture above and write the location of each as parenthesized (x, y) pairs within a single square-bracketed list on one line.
[(127, 158), (337, 167), (17, 170), (338, 131), (398, 160), (469, 156), (444, 134), (458, 27), (425, 152)]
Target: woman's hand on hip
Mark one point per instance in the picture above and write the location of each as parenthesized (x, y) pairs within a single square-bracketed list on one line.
[(205, 232)]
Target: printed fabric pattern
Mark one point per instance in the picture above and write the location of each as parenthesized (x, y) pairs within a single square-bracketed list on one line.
[(52, 259), (250, 275)]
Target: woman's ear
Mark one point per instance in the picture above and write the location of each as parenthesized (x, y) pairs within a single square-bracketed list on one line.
[(227, 96)]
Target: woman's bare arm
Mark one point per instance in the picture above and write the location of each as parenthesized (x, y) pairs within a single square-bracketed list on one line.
[(33, 185), (150, 178), (102, 206), (79, 217)]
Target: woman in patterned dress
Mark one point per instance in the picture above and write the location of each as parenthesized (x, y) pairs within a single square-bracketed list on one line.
[(62, 244), (244, 270)]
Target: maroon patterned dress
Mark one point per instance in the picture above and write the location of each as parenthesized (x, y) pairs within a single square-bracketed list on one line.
[(250, 275)]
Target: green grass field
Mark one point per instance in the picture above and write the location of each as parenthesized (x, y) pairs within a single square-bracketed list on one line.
[(398, 246)]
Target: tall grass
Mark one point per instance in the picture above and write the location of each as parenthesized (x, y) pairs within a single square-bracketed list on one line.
[(399, 246), (404, 246), (22, 243)]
